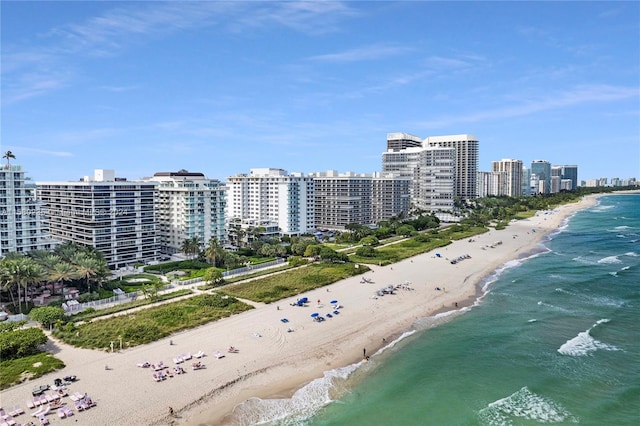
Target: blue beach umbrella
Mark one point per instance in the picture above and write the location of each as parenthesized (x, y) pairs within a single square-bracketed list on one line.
[(315, 314), (333, 302)]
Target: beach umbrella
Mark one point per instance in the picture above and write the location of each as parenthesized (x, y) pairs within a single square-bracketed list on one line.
[(333, 302), (315, 314)]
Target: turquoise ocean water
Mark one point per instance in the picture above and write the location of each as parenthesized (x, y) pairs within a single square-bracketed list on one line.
[(555, 339)]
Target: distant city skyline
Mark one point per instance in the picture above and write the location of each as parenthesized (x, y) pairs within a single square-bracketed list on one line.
[(224, 87)]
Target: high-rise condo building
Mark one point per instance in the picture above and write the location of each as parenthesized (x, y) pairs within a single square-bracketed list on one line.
[(431, 170), (189, 206), (542, 170), (272, 197), (21, 225), (513, 178), (571, 173), (466, 164), (492, 184), (113, 215), (341, 199), (391, 196), (526, 181)]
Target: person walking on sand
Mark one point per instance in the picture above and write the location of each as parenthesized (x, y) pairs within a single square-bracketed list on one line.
[(171, 412), (364, 352)]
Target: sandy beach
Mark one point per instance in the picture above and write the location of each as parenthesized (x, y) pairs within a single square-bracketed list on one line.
[(271, 361)]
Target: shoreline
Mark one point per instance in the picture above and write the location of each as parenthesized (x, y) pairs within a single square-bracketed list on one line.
[(277, 363)]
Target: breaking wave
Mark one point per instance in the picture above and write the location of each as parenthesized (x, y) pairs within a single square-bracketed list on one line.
[(524, 404), (583, 344)]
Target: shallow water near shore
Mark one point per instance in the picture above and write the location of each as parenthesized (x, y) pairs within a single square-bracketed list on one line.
[(555, 340)]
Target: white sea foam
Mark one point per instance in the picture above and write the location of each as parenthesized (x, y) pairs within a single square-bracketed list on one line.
[(581, 259), (533, 320), (552, 307), (631, 254), (625, 268), (584, 343), (610, 259), (306, 401), (561, 290), (622, 227), (524, 404), (601, 208), (508, 265)]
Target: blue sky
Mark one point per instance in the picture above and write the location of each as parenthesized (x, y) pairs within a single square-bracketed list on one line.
[(223, 87)]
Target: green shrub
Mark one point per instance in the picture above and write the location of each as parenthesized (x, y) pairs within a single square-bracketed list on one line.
[(47, 315), (19, 343), (366, 251)]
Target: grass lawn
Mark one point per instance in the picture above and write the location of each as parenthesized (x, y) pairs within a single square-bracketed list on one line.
[(91, 313), (148, 325), (15, 371), (276, 287)]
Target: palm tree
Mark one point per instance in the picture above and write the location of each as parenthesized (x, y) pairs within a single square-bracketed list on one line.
[(6, 280), (86, 267), (191, 246), (22, 273), (67, 250), (63, 271), (9, 155), (213, 250)]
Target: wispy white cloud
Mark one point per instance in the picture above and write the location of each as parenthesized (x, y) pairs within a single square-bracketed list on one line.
[(61, 49), (367, 53), (119, 89), (578, 96)]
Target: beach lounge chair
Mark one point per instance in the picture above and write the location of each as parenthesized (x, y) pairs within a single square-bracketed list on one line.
[(16, 411), (88, 402), (67, 411), (329, 316), (186, 357), (219, 355), (178, 360), (61, 413), (79, 406), (284, 320), (3, 414), (43, 410), (336, 312), (233, 350), (199, 354), (43, 421), (30, 404)]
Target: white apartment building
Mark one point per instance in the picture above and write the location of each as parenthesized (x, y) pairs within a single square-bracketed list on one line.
[(492, 184), (391, 196), (189, 206), (466, 162), (434, 182), (342, 198), (513, 176), (431, 170), (267, 197), (21, 225), (114, 216)]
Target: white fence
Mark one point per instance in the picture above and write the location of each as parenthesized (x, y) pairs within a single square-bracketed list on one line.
[(72, 308)]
